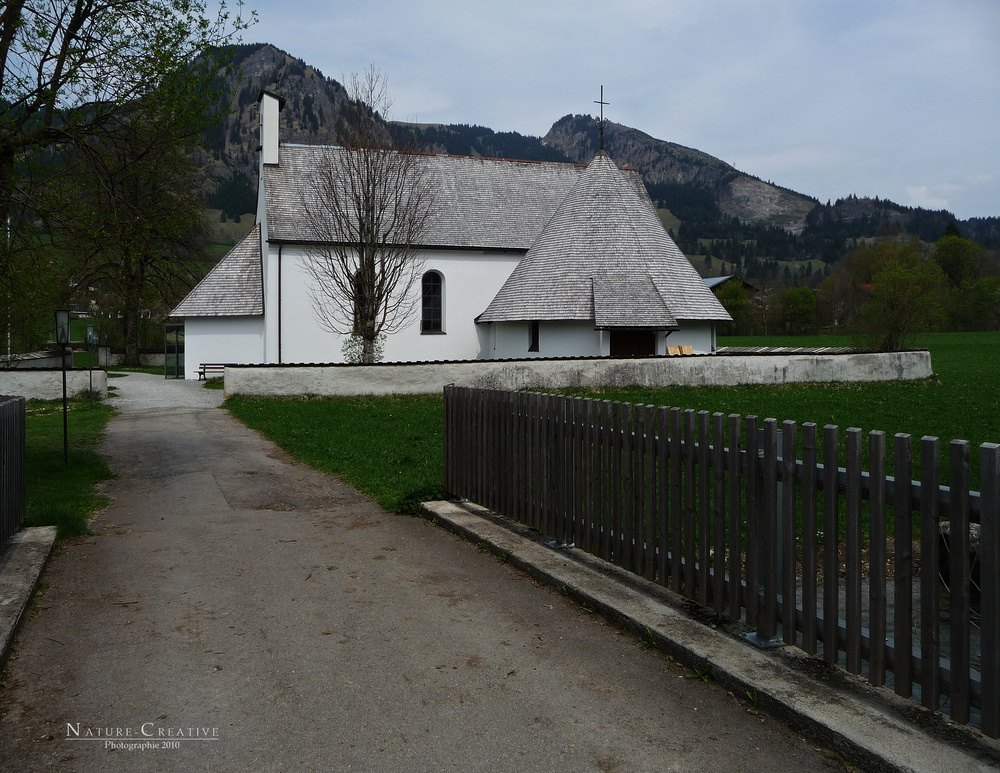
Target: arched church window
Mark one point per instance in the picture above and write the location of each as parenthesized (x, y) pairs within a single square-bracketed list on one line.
[(432, 303)]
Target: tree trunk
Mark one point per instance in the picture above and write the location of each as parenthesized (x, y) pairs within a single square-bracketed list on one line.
[(130, 324), (6, 191)]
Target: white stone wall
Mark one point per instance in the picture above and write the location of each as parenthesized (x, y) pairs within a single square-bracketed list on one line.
[(222, 339), (47, 384), (427, 378)]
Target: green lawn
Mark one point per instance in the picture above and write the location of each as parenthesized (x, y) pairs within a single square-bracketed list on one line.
[(390, 448), (387, 447), (960, 402), (61, 495)]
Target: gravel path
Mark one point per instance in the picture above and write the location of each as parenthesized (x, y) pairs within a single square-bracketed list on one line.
[(145, 393)]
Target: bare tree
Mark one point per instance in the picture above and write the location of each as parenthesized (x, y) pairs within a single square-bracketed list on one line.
[(370, 204)]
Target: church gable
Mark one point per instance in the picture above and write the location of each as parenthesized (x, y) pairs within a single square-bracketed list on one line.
[(233, 288), (605, 252)]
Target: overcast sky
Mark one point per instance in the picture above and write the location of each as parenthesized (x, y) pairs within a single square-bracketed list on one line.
[(892, 98)]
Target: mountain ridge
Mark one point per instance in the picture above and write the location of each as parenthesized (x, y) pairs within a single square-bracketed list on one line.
[(712, 199)]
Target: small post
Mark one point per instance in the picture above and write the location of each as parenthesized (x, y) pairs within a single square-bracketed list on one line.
[(62, 340), (90, 361)]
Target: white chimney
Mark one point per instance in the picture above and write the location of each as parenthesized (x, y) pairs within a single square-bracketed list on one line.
[(270, 108)]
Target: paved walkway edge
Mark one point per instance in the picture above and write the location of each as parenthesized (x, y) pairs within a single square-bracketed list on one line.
[(21, 566), (869, 727)]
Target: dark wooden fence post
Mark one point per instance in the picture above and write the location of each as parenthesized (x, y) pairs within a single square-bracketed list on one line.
[(663, 568), (676, 501), (989, 541), (810, 447), (735, 563), (767, 623), (876, 561), (719, 512), (753, 543), (704, 507), (853, 549), (959, 578), (789, 521), (831, 545), (902, 518), (649, 509), (930, 641), (690, 506)]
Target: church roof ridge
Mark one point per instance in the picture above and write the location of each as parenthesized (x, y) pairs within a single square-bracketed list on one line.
[(577, 164)]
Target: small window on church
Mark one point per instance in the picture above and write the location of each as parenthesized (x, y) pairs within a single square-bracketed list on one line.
[(432, 305), (533, 336)]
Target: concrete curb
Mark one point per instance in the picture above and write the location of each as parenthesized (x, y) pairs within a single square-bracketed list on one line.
[(869, 727), (21, 566)]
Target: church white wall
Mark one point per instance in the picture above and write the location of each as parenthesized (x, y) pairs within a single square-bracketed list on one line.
[(471, 279), (222, 339), (509, 340), (699, 335), (556, 338)]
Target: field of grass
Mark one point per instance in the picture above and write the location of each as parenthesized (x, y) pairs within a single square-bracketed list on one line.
[(958, 403), (386, 447), (60, 495), (390, 448)]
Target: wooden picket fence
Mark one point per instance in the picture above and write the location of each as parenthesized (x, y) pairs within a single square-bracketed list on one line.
[(12, 467), (686, 500)]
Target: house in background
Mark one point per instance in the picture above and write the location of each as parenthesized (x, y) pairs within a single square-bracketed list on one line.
[(522, 259)]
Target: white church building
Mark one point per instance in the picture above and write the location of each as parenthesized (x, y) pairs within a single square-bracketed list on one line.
[(522, 259)]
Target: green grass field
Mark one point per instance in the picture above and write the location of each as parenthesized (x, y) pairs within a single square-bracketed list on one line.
[(390, 448), (960, 402), (386, 447), (61, 495)]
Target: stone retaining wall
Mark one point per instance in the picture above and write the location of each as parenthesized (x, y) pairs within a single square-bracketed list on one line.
[(537, 374), (47, 384)]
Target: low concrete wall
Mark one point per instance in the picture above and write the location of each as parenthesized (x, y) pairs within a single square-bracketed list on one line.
[(430, 377), (47, 384), (35, 360)]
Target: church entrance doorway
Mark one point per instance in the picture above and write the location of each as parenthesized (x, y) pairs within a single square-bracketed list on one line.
[(633, 343)]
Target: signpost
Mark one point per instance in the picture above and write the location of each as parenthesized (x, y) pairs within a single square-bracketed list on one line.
[(62, 339)]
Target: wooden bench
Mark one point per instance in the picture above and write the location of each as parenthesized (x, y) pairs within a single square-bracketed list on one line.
[(213, 368)]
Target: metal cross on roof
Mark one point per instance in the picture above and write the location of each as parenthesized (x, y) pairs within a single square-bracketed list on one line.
[(602, 103)]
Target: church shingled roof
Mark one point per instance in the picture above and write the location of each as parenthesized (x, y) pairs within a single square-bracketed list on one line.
[(233, 288), (480, 203), (604, 256)]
